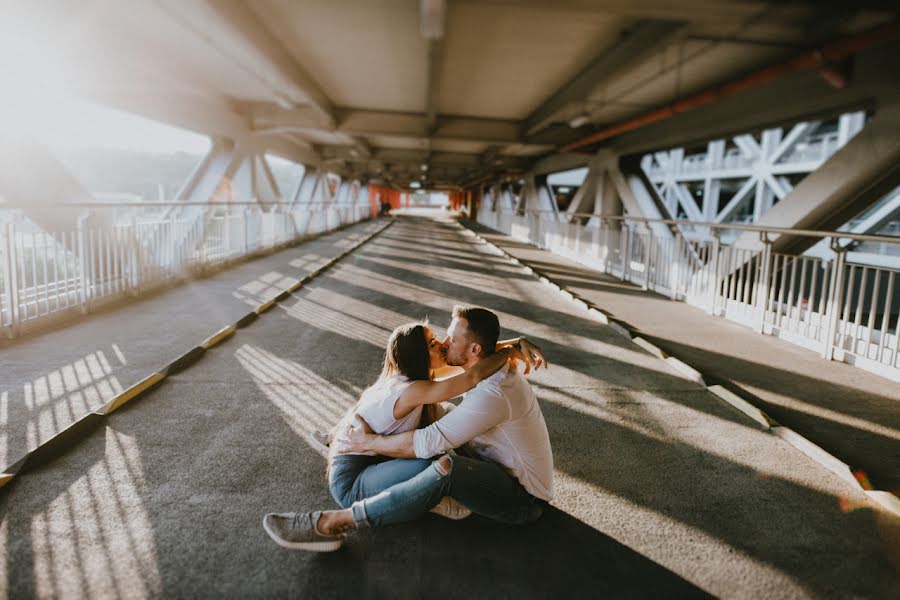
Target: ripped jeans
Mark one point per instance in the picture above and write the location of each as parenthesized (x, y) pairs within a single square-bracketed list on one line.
[(376, 495)]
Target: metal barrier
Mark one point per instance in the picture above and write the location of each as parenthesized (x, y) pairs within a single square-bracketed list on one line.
[(846, 312), (43, 273)]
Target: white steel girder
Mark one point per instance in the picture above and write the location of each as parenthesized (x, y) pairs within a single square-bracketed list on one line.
[(761, 162), (853, 178)]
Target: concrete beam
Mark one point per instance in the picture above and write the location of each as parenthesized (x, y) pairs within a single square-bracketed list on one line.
[(432, 83), (801, 96), (210, 115), (553, 163), (233, 29), (699, 10), (632, 48), (387, 123), (304, 154)]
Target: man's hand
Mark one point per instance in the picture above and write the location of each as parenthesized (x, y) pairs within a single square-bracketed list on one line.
[(357, 435)]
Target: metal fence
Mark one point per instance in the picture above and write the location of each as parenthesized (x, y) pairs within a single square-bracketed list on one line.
[(45, 273), (846, 312)]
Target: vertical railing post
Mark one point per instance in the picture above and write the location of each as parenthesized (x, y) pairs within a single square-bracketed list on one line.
[(172, 257), (675, 265), (10, 285), (762, 289), (84, 267), (135, 267), (648, 252), (835, 298), (713, 291), (626, 251)]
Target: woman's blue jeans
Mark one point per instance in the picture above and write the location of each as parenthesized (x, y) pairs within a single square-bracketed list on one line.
[(381, 491)]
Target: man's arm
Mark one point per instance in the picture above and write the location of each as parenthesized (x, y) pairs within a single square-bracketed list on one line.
[(483, 409)]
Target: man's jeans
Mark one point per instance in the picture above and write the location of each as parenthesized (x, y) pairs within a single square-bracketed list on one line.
[(378, 494)]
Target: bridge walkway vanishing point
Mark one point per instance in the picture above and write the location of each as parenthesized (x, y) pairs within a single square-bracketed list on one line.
[(661, 487)]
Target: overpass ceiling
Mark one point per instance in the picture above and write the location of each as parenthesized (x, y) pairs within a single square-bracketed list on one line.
[(354, 83)]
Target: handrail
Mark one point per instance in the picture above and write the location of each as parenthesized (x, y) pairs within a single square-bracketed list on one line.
[(758, 228), (165, 203), (846, 311)]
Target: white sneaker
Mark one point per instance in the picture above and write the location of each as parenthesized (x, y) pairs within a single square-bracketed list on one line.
[(450, 508)]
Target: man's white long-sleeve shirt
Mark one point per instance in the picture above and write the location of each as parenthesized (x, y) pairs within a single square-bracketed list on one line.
[(501, 421)]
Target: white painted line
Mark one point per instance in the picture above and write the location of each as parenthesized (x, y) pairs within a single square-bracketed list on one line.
[(742, 405)]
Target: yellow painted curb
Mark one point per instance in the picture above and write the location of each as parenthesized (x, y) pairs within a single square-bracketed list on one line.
[(218, 337), (649, 347), (742, 405), (131, 392), (264, 307), (886, 500)]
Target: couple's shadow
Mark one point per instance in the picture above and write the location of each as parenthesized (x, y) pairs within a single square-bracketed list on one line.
[(558, 556)]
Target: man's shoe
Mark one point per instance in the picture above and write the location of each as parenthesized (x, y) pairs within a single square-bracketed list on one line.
[(297, 531), (450, 508)]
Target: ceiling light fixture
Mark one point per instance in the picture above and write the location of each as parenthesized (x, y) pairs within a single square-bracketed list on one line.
[(580, 120)]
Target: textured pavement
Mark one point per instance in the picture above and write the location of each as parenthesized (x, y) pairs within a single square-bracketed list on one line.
[(662, 490), (50, 380)]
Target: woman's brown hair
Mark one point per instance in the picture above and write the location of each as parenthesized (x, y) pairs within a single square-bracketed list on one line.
[(406, 354)]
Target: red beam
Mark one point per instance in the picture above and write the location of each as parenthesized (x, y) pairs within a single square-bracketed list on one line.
[(814, 59)]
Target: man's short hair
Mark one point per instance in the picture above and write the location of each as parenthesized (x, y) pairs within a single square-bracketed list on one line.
[(484, 326)]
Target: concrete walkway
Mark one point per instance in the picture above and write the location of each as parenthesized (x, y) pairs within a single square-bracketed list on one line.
[(851, 413), (49, 381), (661, 489)]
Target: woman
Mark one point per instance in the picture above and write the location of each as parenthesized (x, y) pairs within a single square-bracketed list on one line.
[(406, 397)]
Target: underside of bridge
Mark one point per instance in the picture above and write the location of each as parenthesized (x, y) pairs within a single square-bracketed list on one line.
[(451, 92)]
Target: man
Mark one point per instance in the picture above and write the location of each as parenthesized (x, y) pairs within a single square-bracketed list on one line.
[(507, 474)]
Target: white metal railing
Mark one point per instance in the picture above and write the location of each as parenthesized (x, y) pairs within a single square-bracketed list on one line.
[(45, 273), (847, 312)]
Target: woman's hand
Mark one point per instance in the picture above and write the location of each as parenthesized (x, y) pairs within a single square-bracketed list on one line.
[(534, 354), (528, 353), (356, 436)]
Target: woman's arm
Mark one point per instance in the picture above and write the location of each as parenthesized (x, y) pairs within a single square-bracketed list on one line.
[(429, 392)]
